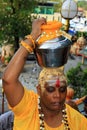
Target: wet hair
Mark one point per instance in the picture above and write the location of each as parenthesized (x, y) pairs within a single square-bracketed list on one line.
[(51, 73)]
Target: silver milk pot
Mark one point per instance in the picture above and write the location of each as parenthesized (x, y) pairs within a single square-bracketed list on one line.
[(54, 52)]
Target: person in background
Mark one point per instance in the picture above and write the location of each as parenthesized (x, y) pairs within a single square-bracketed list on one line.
[(69, 98), (72, 104), (70, 93), (71, 54), (78, 46), (84, 112), (46, 109)]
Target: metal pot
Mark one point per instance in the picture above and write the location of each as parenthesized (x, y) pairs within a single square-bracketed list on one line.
[(53, 53)]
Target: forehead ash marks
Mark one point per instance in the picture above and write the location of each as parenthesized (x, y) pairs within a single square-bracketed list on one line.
[(56, 82)]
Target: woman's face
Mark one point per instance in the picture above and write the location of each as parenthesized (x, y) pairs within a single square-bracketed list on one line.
[(53, 94)]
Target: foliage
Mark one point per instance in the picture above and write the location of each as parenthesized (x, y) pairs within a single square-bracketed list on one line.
[(15, 20), (77, 78), (82, 4), (7, 59), (57, 7), (79, 34)]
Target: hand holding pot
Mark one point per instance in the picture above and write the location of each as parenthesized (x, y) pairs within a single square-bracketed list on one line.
[(36, 27), (30, 40), (50, 44)]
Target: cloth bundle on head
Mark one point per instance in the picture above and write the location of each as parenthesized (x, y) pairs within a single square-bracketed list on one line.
[(49, 73)]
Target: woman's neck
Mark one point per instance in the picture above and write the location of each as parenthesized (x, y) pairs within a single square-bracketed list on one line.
[(52, 118)]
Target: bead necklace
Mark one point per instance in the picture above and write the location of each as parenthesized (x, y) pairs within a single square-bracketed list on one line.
[(41, 117)]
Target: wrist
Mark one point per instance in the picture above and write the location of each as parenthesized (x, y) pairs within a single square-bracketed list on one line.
[(28, 43), (27, 46), (34, 36), (31, 41)]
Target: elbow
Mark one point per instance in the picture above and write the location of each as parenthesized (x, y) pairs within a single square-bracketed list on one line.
[(5, 82), (6, 79)]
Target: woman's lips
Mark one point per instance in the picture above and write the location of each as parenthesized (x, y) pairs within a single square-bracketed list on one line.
[(56, 104)]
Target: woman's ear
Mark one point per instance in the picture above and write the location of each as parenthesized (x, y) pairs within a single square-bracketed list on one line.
[(38, 89)]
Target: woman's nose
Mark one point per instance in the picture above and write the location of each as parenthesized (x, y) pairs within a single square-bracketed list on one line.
[(56, 93)]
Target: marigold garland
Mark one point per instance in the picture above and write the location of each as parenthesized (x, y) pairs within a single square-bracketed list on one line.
[(50, 31), (51, 26)]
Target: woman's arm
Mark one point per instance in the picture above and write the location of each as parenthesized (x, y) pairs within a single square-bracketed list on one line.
[(12, 86)]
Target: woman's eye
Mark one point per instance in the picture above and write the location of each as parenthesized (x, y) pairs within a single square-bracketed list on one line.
[(50, 89), (62, 89)]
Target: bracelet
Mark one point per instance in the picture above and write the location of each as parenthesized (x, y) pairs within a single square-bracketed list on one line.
[(25, 45), (31, 38)]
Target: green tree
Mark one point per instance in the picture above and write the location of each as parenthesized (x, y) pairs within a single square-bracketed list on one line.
[(15, 20), (82, 4), (57, 6), (77, 77)]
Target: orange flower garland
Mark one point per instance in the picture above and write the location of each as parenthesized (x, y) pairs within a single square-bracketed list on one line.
[(49, 31), (51, 26)]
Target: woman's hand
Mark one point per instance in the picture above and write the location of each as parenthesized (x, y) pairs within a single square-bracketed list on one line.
[(36, 27)]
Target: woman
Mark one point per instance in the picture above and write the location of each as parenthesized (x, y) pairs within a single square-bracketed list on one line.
[(47, 109)]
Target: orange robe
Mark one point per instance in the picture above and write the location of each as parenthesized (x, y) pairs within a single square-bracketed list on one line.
[(26, 115)]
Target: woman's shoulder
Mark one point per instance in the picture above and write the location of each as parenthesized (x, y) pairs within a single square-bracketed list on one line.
[(30, 93), (73, 113)]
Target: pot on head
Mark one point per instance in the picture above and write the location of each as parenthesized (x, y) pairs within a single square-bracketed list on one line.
[(53, 53)]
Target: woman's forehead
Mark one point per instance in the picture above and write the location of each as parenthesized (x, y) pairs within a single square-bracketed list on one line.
[(50, 75), (53, 78), (56, 82)]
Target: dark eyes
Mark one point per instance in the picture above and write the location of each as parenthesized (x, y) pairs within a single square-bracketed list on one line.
[(52, 89), (62, 89)]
